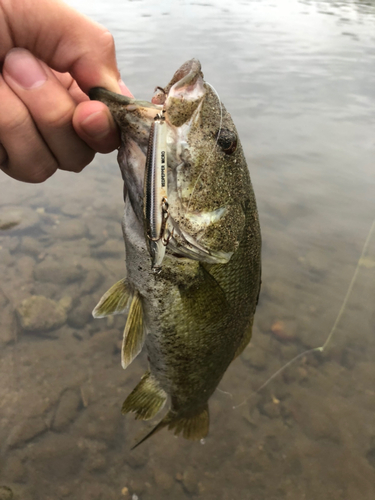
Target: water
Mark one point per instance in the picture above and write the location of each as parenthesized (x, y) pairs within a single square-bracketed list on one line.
[(298, 78)]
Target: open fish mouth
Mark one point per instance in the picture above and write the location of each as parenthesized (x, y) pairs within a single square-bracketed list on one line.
[(163, 132)]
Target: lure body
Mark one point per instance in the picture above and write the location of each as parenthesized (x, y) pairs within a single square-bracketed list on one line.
[(155, 203)]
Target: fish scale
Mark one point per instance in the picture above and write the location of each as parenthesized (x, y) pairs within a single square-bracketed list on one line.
[(195, 316)]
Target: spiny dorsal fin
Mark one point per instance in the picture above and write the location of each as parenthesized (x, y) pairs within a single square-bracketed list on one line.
[(114, 301), (194, 427), (146, 400), (134, 333)]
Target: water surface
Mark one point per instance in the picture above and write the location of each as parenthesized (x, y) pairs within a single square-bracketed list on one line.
[(298, 78)]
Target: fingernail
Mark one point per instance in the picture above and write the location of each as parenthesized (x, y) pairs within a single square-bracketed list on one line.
[(95, 126), (24, 69), (124, 89)]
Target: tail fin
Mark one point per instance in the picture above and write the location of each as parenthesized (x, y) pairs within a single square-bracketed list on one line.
[(194, 427)]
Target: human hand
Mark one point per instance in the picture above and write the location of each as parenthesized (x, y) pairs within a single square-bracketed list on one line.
[(51, 55)]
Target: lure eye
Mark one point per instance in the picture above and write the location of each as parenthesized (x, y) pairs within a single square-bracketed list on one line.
[(227, 140)]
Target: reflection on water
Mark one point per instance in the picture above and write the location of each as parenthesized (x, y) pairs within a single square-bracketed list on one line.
[(298, 80)]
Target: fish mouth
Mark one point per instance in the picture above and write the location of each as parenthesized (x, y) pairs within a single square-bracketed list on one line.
[(183, 81), (108, 97)]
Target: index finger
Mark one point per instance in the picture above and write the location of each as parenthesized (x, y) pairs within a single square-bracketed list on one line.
[(63, 38)]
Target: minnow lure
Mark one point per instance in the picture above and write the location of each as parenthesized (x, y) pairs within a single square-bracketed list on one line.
[(155, 192)]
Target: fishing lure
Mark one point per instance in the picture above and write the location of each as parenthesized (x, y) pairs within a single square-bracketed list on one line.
[(155, 204)]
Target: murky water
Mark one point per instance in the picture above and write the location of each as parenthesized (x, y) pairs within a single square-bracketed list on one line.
[(298, 78)]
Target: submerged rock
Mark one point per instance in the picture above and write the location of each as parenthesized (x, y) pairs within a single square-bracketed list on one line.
[(26, 431), (54, 271), (12, 217), (39, 314), (5, 493), (67, 409), (7, 326), (71, 230)]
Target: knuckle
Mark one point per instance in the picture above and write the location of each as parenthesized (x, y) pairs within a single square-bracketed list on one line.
[(39, 177), (84, 161), (41, 174), (107, 41), (79, 162), (13, 123), (58, 118)]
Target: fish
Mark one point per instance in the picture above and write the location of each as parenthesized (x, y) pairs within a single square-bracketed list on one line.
[(191, 306)]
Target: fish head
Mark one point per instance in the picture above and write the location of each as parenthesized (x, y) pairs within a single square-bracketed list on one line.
[(207, 173)]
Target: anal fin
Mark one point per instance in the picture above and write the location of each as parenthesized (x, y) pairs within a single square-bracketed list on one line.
[(146, 400), (114, 301), (134, 333)]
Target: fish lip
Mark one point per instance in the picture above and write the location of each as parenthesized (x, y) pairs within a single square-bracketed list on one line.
[(108, 97), (186, 75), (102, 94)]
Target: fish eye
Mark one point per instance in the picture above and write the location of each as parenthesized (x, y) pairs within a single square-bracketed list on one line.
[(227, 140)]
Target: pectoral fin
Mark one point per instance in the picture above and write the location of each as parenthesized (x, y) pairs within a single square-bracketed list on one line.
[(114, 301), (134, 333), (146, 400)]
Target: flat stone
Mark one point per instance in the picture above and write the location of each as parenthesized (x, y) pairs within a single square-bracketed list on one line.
[(7, 325), (72, 209), (111, 248), (31, 246), (25, 431), (57, 456), (92, 281), (39, 314), (189, 480), (81, 315), (71, 230), (14, 470), (13, 218), (5, 493), (25, 266), (6, 258), (67, 409), (58, 272), (9, 242), (163, 480)]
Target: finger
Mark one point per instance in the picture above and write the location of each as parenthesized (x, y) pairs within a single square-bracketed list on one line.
[(71, 85), (26, 156), (64, 39), (3, 157), (93, 122), (50, 106)]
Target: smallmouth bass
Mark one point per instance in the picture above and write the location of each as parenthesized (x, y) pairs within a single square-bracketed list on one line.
[(195, 314)]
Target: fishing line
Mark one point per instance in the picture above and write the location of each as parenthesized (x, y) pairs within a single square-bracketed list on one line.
[(333, 329), (225, 392), (213, 149)]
